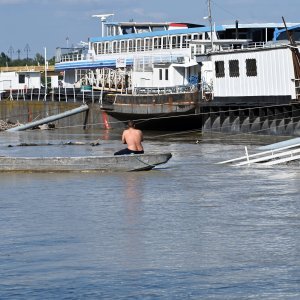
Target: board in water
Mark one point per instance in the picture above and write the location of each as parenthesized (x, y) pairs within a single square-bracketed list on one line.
[(136, 162)]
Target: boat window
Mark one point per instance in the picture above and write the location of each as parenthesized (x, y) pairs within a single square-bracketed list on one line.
[(220, 70), (148, 44), (142, 29), (138, 45), (114, 46), (142, 45), (106, 47), (234, 70), (165, 42), (127, 29), (178, 44), (184, 42), (160, 74), (146, 41), (251, 68), (157, 43), (123, 46), (134, 45), (166, 74), (173, 42), (110, 50), (130, 45), (99, 48)]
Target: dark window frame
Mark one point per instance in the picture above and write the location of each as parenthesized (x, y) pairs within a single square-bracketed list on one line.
[(251, 67), (234, 69), (22, 78), (220, 68)]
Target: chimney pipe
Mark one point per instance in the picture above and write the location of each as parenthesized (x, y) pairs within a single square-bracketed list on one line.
[(236, 29)]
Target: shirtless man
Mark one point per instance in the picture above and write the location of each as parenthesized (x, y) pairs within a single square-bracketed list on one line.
[(133, 138)]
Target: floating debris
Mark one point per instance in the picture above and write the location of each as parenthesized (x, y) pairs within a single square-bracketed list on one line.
[(7, 125), (70, 143)]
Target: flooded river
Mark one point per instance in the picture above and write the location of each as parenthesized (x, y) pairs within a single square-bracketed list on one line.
[(190, 229)]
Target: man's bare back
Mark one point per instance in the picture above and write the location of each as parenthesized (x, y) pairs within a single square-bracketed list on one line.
[(133, 138)]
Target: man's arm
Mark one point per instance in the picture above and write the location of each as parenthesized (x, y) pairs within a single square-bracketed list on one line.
[(142, 136), (123, 138)]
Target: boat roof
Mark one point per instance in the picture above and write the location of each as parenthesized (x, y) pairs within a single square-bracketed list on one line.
[(155, 33), (259, 25), (190, 28), (151, 24)]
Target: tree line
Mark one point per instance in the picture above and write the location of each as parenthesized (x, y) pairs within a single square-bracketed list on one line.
[(38, 60)]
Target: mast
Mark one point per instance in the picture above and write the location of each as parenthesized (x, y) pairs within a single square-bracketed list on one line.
[(210, 23)]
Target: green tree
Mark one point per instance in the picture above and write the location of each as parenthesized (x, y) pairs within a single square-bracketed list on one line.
[(4, 60), (39, 59)]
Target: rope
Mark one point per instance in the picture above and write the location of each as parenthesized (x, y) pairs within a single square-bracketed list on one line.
[(149, 165)]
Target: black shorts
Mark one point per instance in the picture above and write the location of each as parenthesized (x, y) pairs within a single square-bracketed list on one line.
[(128, 151)]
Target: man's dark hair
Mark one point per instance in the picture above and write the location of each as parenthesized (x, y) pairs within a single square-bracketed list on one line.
[(131, 124)]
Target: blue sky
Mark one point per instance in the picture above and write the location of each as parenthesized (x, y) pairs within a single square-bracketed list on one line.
[(53, 23)]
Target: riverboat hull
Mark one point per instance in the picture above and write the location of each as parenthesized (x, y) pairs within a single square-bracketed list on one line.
[(156, 112), (136, 162)]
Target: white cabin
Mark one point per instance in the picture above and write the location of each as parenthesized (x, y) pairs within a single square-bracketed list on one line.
[(21, 80), (254, 74)]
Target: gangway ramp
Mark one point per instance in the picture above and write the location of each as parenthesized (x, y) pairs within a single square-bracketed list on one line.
[(276, 156)]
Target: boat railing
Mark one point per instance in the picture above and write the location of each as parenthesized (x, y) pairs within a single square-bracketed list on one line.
[(70, 54), (249, 46), (164, 90), (71, 57)]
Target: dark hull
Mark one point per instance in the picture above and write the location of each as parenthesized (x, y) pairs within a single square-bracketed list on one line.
[(168, 122), (156, 112)]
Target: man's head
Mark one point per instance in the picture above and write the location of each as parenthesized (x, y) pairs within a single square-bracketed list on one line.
[(131, 124)]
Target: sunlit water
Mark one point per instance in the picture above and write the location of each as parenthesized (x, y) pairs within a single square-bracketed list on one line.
[(190, 229)]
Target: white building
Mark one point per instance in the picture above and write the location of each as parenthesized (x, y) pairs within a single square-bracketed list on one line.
[(21, 80)]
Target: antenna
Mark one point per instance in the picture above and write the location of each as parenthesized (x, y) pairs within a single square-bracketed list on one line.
[(10, 51), (27, 50), (210, 22), (102, 19)]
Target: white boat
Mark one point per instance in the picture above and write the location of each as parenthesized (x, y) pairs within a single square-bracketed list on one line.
[(255, 87), (150, 71), (136, 162)]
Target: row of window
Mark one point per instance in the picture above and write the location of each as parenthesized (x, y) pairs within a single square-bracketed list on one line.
[(234, 69), (146, 44)]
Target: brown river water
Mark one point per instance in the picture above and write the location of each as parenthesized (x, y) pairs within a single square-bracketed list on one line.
[(190, 229)]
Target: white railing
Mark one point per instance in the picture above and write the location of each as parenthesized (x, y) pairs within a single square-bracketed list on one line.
[(71, 57), (267, 158), (165, 90)]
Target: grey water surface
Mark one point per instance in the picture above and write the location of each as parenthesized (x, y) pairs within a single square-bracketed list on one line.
[(190, 229)]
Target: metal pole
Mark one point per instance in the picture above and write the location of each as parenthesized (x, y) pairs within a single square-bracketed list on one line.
[(45, 74), (65, 114)]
